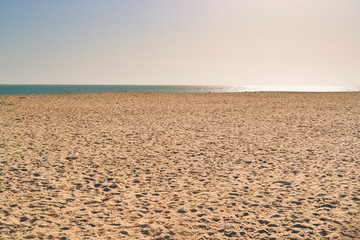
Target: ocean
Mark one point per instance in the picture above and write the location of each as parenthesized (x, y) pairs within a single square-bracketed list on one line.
[(55, 89), (51, 89)]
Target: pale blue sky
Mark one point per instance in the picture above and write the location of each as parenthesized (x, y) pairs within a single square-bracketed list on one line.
[(228, 42)]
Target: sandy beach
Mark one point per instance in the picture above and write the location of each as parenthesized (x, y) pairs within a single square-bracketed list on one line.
[(180, 166)]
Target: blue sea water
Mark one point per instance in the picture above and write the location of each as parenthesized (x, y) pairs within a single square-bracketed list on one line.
[(51, 89)]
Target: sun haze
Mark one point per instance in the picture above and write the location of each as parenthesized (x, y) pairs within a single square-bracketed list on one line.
[(237, 43)]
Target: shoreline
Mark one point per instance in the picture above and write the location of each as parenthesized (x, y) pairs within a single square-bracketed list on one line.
[(190, 93), (51, 89)]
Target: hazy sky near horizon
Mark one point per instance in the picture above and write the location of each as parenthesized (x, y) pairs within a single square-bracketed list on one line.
[(222, 42)]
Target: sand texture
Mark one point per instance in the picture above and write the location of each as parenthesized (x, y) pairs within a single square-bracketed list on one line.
[(180, 166)]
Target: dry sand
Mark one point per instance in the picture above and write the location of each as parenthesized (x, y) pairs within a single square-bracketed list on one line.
[(180, 166)]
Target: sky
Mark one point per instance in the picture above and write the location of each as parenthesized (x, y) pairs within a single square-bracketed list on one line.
[(180, 42)]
